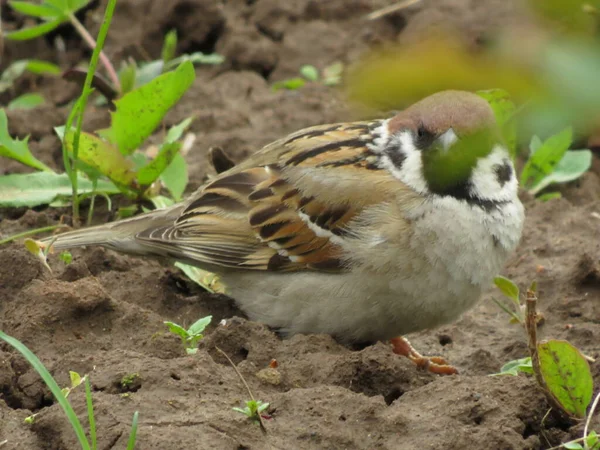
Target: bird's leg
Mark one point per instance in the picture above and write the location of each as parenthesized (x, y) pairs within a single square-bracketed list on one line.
[(435, 364)]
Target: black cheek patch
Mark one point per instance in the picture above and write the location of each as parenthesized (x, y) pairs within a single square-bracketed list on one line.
[(503, 172), (396, 155)]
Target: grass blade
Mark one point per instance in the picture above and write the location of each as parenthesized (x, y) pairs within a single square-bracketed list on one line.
[(133, 433), (90, 410), (52, 385)]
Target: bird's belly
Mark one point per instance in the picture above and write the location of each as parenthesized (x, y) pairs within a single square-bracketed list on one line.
[(350, 307)]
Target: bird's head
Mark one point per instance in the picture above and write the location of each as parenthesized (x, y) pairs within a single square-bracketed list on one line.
[(449, 144)]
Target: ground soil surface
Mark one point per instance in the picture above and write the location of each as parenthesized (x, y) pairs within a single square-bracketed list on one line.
[(103, 314)]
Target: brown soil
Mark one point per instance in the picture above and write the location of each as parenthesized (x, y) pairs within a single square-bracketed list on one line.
[(103, 314)]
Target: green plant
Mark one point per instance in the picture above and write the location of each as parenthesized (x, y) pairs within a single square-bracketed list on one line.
[(253, 409), (110, 159), (551, 162), (128, 380), (135, 74), (18, 68), (511, 291), (516, 366), (330, 76), (53, 13), (62, 394), (191, 336), (560, 369)]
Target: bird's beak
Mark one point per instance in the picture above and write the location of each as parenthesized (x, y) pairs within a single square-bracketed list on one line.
[(448, 139)]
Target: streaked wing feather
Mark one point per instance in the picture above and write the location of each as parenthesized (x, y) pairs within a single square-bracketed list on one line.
[(256, 216)]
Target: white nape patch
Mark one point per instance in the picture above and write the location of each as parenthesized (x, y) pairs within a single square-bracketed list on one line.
[(484, 182), (448, 139), (320, 232), (381, 137), (411, 172)]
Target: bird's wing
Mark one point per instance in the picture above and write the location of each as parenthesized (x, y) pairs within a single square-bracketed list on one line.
[(289, 207)]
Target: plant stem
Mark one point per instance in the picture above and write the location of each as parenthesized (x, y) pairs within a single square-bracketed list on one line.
[(79, 108), (87, 37), (260, 421), (30, 232)]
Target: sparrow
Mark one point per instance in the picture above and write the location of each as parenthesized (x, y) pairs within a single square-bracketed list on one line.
[(366, 230)]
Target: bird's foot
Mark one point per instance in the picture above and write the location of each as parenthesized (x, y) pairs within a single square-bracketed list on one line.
[(434, 364)]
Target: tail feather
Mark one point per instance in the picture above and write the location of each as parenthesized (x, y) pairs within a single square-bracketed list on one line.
[(120, 235)]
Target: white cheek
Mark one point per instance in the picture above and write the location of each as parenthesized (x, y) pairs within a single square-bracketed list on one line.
[(485, 185), (411, 172)]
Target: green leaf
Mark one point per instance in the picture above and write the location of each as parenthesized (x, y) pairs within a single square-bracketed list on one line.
[(504, 111), (567, 375), (176, 131), (127, 76), (311, 73), (160, 202), (40, 67), (150, 172), (572, 446), (544, 160), (26, 101), (516, 366), (572, 165), (291, 84), (196, 58), (507, 287), (332, 74), (33, 10), (75, 378), (199, 325), (169, 46), (175, 177), (103, 157), (177, 329), (148, 72), (42, 188), (66, 257), (140, 111), (36, 31), (17, 149), (549, 196), (534, 145)]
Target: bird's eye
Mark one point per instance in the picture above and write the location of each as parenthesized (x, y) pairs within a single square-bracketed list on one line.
[(424, 138)]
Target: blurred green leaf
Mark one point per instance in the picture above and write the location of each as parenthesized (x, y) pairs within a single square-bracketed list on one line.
[(504, 110), (35, 31), (169, 46), (508, 288), (332, 74), (567, 375), (40, 67), (26, 101), (140, 111), (31, 9), (66, 257), (311, 73), (572, 166), (41, 188), (127, 77), (198, 326), (291, 84), (177, 329), (516, 366), (151, 171), (549, 196), (175, 177), (545, 158), (17, 149)]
